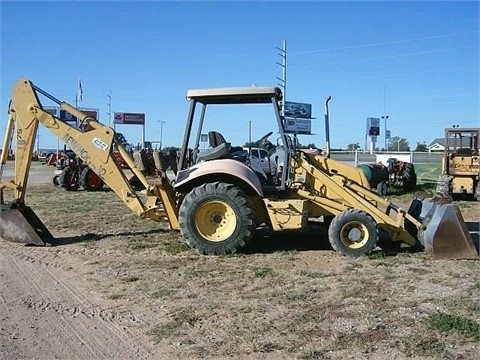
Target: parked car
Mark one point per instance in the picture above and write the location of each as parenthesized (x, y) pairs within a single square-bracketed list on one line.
[(268, 165)]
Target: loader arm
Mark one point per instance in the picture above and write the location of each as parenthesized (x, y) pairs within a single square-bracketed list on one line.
[(345, 189), (93, 146), (440, 227)]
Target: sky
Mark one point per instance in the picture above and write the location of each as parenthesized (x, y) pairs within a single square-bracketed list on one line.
[(415, 61)]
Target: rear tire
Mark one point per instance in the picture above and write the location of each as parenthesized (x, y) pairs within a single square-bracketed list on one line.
[(143, 162), (382, 188), (409, 178), (55, 180), (68, 179), (138, 160), (159, 160), (90, 181), (443, 186), (172, 160), (353, 233), (217, 218)]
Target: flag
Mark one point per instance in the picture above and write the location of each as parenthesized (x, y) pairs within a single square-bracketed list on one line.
[(80, 90)]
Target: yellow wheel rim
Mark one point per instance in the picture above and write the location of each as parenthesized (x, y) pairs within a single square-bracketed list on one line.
[(354, 235), (215, 221)]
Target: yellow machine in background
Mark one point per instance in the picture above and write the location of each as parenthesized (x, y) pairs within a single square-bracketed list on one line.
[(219, 198), (460, 163)]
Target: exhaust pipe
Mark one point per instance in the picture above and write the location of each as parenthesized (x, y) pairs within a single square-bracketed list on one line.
[(327, 127)]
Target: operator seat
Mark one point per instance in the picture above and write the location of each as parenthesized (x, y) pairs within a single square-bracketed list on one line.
[(215, 139), (220, 148)]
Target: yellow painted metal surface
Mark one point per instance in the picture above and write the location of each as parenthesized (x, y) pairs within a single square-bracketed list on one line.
[(287, 214), (215, 221), (93, 146)]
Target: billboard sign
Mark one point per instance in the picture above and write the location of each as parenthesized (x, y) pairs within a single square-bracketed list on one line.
[(90, 112), (298, 126), (66, 116), (51, 109), (298, 110), (128, 118), (373, 126), (387, 134)]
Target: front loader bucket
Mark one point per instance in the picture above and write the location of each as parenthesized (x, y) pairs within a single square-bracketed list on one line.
[(23, 225), (444, 233)]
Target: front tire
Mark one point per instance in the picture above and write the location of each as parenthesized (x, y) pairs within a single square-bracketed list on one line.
[(69, 179), (217, 218), (353, 233)]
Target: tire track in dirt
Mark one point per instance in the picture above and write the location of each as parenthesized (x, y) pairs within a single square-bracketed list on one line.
[(62, 322)]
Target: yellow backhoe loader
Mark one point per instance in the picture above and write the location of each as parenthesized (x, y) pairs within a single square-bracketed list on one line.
[(461, 164), (219, 198)]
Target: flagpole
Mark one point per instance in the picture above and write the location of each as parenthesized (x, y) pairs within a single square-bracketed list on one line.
[(79, 96), (76, 106)]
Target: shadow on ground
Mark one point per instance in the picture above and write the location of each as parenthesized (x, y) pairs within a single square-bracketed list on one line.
[(315, 238), (61, 241)]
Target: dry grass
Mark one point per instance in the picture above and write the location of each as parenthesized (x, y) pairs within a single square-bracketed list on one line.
[(288, 298)]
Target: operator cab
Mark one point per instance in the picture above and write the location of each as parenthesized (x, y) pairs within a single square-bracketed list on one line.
[(258, 158), (219, 148)]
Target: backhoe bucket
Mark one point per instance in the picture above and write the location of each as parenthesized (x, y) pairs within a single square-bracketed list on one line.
[(444, 233), (23, 225)]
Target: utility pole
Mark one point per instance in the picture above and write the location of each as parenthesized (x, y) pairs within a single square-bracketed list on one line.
[(385, 116), (161, 132), (283, 79), (250, 133), (109, 113), (78, 99)]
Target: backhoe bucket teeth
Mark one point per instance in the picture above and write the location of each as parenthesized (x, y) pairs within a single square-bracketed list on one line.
[(444, 233), (22, 225)]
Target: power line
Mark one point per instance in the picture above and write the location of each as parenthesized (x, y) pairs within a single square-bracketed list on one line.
[(388, 75), (386, 57), (433, 97), (385, 43), (411, 124)]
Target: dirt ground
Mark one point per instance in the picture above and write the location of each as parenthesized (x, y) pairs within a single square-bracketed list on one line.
[(118, 287)]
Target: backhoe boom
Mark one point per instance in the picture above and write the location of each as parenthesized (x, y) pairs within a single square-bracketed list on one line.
[(93, 143)]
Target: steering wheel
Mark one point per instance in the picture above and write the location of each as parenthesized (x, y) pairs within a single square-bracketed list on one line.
[(265, 143), (264, 137)]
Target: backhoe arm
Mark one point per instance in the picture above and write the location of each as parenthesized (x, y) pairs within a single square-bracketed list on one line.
[(93, 145)]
